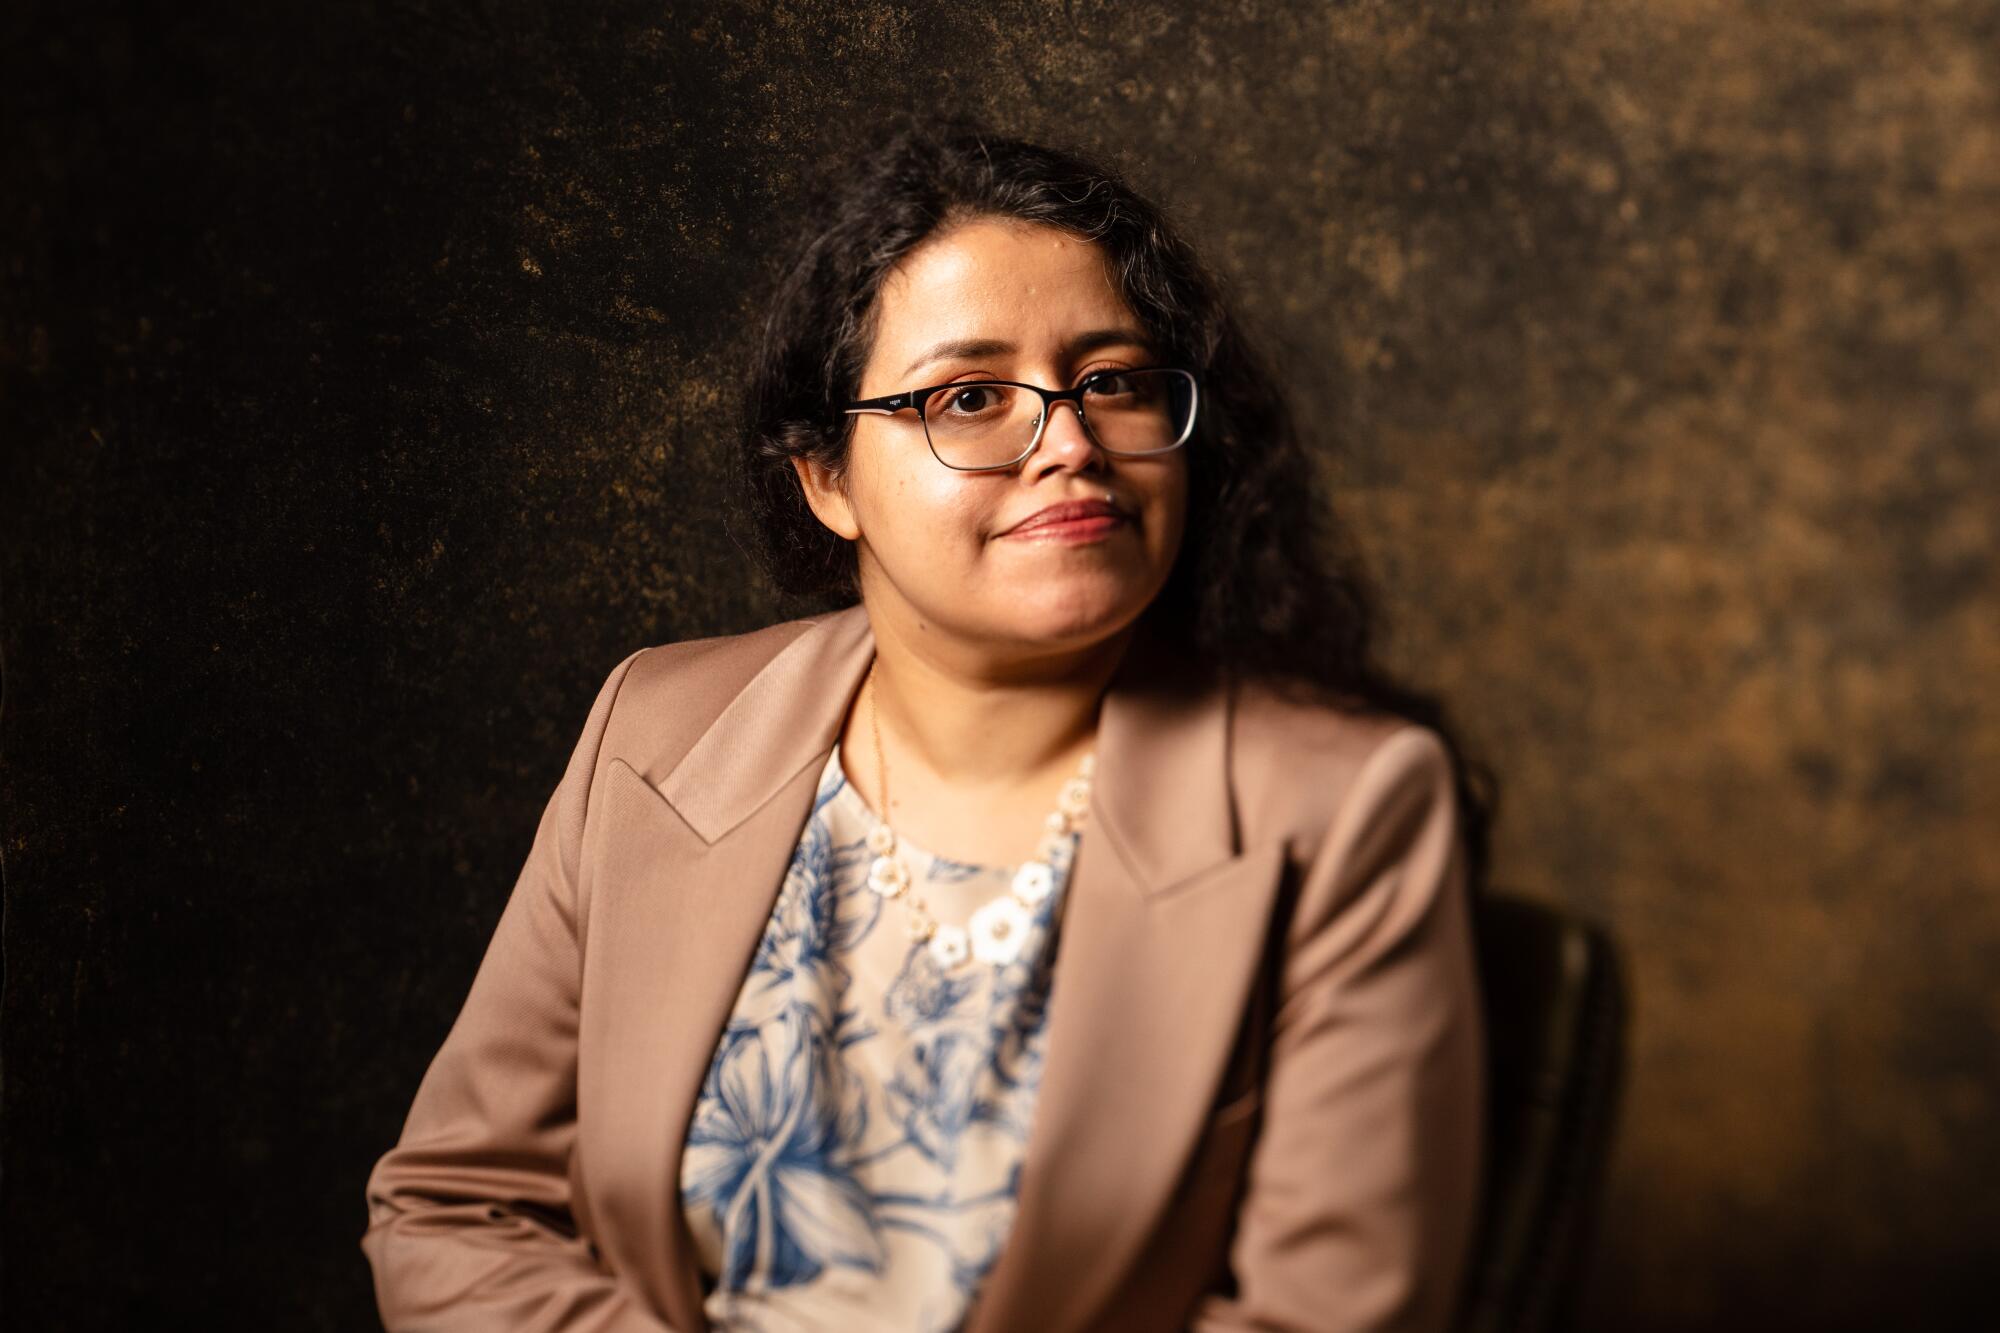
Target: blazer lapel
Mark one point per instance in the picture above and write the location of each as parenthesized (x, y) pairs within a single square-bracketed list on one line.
[(689, 865), (1161, 935)]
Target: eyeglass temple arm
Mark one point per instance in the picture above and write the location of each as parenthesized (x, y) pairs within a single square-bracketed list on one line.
[(886, 407)]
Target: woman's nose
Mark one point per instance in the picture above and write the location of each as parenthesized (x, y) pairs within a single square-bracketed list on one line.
[(1065, 437)]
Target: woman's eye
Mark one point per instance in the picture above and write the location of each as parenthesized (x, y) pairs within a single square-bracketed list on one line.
[(1110, 384), (974, 399)]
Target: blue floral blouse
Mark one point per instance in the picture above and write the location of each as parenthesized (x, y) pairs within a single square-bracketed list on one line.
[(855, 1151)]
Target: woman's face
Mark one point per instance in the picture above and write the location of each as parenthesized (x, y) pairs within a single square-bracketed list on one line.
[(935, 545)]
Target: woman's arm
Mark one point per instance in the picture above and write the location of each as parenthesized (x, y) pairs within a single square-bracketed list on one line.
[(1364, 1185), (469, 1224)]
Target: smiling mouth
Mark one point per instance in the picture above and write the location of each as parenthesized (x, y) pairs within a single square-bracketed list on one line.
[(1069, 512), (1085, 528)]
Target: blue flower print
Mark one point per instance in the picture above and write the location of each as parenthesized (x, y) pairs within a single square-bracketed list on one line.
[(922, 991), (865, 1110), (768, 1151), (934, 1092), (814, 921), (1018, 1004), (944, 870)]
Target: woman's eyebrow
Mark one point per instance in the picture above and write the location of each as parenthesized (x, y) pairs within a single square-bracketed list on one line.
[(1077, 346)]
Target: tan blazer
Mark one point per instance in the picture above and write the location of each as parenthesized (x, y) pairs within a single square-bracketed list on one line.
[(1261, 1098)]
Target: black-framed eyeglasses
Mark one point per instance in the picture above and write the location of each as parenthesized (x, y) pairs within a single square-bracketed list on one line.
[(980, 425)]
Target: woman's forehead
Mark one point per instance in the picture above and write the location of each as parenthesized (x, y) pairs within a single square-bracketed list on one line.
[(996, 279)]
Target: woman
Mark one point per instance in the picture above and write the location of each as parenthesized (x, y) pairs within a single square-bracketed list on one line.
[(1067, 930)]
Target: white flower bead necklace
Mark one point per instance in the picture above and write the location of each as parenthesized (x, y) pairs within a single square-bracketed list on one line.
[(995, 932)]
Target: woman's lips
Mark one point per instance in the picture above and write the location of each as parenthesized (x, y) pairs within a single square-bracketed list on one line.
[(1070, 531)]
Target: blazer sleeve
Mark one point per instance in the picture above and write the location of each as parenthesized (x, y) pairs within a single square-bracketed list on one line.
[(469, 1222), (1364, 1185)]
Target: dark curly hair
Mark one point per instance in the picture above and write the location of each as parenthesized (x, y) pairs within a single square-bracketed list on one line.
[(1266, 587)]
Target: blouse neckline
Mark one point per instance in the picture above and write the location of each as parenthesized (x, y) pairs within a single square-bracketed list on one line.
[(915, 851)]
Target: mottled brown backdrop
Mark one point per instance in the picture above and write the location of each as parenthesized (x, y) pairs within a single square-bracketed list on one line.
[(366, 369)]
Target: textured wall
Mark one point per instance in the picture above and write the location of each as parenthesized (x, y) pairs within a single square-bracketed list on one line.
[(364, 368)]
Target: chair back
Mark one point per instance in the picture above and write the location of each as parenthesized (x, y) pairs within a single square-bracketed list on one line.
[(1555, 1016)]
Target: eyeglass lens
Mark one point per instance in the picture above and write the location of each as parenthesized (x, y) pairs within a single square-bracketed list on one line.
[(977, 424)]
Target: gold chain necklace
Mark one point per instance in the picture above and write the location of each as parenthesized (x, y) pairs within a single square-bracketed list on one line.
[(995, 932)]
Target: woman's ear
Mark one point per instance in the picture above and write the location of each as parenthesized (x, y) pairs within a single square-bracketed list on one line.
[(827, 496)]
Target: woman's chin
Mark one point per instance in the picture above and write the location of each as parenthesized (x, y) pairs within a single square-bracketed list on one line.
[(1078, 615)]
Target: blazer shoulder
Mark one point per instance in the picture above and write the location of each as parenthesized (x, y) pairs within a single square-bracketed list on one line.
[(672, 691), (744, 652), (1295, 765)]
